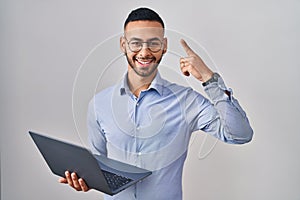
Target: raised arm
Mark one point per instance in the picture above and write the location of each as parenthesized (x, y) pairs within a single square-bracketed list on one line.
[(223, 117)]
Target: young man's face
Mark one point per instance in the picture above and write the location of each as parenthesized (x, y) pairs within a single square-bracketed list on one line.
[(144, 45)]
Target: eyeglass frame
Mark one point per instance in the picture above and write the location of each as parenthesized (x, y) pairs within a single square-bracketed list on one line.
[(142, 44)]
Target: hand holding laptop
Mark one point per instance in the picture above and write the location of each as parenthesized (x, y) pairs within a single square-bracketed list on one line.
[(92, 171), (75, 182)]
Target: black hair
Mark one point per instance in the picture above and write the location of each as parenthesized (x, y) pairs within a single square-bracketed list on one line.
[(143, 14)]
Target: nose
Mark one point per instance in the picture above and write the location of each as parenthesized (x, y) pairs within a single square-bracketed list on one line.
[(144, 50)]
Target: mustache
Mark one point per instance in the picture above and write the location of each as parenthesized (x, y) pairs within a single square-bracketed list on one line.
[(140, 57)]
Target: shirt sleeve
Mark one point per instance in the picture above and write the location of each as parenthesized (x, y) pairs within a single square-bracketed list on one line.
[(96, 136), (223, 117)]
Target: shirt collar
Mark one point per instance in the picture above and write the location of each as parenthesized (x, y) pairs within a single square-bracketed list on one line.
[(156, 84)]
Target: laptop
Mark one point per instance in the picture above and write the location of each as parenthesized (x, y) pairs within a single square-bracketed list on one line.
[(99, 172)]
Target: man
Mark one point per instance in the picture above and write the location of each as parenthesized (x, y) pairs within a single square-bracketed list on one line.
[(147, 121)]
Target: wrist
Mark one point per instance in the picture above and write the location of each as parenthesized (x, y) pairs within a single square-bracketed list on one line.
[(213, 78), (207, 76)]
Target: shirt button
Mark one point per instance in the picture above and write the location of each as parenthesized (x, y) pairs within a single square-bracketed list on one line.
[(138, 128), (137, 104), (139, 153)]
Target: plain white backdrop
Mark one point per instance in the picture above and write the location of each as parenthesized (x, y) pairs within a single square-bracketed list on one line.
[(254, 44)]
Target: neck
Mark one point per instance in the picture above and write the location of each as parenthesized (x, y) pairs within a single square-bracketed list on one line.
[(138, 83)]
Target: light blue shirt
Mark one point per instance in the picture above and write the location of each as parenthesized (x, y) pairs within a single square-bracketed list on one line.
[(153, 130)]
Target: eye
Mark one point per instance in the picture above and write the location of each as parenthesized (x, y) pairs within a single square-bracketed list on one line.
[(155, 43), (135, 43)]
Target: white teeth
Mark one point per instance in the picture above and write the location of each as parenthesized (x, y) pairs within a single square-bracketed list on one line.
[(144, 62)]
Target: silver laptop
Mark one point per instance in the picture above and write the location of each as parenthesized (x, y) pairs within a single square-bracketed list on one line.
[(99, 172)]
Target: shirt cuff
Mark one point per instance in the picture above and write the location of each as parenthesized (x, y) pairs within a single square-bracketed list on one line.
[(217, 91)]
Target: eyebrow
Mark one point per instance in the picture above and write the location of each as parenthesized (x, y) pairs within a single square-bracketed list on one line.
[(139, 39)]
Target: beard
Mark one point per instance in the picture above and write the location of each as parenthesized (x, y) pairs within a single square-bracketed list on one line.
[(146, 71)]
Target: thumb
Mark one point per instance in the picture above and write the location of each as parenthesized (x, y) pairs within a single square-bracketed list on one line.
[(62, 180)]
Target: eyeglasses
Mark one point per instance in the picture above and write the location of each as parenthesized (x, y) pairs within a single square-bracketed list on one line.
[(154, 45)]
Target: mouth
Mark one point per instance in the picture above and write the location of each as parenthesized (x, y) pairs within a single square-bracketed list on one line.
[(144, 62)]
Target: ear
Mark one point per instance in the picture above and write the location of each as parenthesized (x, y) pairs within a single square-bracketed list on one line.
[(122, 44), (165, 43)]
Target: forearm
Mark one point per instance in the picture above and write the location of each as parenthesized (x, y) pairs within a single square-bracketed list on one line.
[(232, 124)]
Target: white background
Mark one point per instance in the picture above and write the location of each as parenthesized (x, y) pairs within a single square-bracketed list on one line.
[(255, 45)]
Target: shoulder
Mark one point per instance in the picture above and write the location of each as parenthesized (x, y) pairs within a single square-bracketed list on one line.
[(179, 89), (102, 98), (185, 94), (105, 93)]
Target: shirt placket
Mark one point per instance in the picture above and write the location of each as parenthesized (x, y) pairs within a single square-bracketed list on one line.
[(137, 133), (137, 129)]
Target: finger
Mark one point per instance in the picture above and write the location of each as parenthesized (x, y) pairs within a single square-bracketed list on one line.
[(83, 185), (62, 180), (182, 60), (69, 179), (182, 63), (186, 70), (199, 72), (183, 67), (190, 69), (186, 47), (75, 181)]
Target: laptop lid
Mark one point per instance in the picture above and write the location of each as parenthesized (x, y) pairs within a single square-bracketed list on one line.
[(61, 156)]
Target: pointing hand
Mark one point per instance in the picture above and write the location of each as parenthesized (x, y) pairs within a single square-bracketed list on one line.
[(193, 64)]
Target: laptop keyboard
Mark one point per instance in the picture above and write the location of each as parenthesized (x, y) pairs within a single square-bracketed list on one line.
[(115, 181)]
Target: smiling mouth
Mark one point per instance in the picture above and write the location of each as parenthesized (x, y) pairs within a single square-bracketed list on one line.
[(144, 61)]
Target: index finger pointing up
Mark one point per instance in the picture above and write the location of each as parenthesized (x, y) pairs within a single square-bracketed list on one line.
[(186, 47)]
